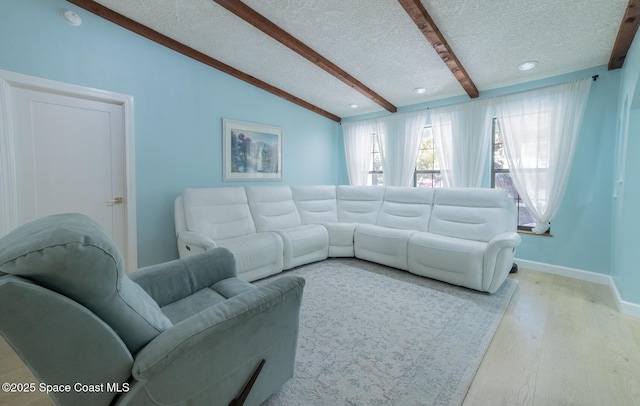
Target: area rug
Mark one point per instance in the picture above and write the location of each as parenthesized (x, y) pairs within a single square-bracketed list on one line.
[(373, 335)]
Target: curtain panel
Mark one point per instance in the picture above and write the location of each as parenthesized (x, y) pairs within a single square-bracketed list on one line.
[(399, 138), (540, 129), (462, 135), (358, 144)]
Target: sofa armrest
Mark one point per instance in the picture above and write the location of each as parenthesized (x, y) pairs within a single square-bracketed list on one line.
[(498, 259), (174, 280), (508, 239), (212, 354), (191, 243)]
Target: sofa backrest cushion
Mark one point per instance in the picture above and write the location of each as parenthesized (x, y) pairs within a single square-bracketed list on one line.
[(316, 204), (272, 207), (472, 213), (72, 255), (406, 208), (359, 204), (218, 213)]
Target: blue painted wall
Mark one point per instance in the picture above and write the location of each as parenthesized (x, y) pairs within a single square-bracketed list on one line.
[(626, 216), (179, 105)]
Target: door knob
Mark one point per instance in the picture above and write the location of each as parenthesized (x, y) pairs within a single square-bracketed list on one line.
[(117, 200)]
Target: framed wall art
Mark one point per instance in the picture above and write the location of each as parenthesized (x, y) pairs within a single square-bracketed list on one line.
[(251, 151)]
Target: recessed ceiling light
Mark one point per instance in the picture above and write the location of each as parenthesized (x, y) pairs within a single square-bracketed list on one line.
[(419, 90), (528, 65), (72, 18), (353, 106)]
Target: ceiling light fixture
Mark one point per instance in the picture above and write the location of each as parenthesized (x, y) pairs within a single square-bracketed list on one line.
[(353, 106), (420, 90), (72, 18), (528, 65)]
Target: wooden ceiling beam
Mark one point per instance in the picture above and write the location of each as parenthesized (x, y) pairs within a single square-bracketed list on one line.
[(626, 32), (263, 24), (425, 23), (140, 29)]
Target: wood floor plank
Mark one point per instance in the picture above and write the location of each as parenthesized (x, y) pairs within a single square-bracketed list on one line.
[(561, 342), (514, 351)]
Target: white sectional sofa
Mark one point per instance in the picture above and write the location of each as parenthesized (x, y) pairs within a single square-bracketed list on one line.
[(463, 236)]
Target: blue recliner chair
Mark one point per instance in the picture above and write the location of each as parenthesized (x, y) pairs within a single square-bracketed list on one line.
[(182, 332)]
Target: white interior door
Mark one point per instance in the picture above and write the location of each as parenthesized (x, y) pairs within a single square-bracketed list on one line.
[(70, 156)]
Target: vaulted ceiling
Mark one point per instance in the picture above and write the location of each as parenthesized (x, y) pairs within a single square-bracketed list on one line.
[(332, 55)]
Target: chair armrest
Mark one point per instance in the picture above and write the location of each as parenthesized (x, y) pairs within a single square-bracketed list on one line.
[(174, 280), (212, 353)]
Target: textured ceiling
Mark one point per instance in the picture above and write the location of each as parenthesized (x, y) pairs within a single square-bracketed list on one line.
[(377, 42)]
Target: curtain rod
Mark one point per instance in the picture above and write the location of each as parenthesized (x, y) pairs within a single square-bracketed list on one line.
[(594, 77)]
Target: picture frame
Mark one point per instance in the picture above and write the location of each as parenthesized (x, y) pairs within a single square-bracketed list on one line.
[(251, 151)]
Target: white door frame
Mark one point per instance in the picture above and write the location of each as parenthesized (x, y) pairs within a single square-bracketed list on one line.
[(9, 80)]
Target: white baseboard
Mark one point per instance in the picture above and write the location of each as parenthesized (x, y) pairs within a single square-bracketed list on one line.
[(627, 308)]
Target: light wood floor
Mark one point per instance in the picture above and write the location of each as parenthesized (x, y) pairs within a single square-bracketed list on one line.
[(561, 342)]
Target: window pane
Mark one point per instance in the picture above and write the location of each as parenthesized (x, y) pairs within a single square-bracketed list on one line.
[(376, 179), (427, 156), (504, 181), (375, 164), (524, 217), (376, 161), (433, 180)]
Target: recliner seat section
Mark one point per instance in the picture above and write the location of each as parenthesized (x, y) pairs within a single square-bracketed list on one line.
[(403, 212), (273, 209), (469, 241), (463, 236), (318, 205), (220, 217)]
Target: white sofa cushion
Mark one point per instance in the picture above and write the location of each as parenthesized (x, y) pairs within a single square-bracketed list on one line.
[(472, 213), (272, 207), (304, 244), (384, 245), (257, 255), (340, 239), (453, 260), (218, 213), (316, 204), (406, 208), (359, 204)]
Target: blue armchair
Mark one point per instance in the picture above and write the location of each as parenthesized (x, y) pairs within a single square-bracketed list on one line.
[(182, 332)]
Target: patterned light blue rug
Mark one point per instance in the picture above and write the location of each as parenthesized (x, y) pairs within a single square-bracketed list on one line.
[(372, 335)]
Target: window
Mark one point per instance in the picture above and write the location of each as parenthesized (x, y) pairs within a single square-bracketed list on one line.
[(501, 179), (427, 173), (375, 166)]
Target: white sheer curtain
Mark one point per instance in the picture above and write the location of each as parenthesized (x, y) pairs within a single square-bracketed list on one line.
[(358, 143), (462, 134), (399, 139), (540, 129)]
